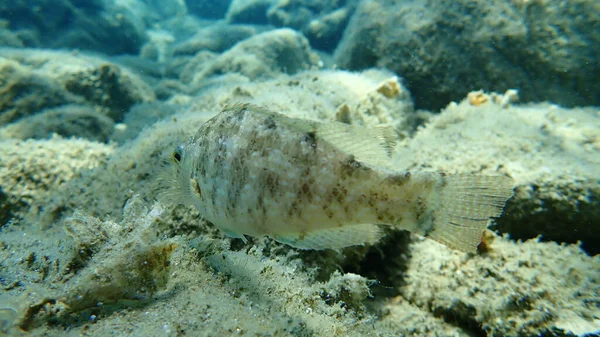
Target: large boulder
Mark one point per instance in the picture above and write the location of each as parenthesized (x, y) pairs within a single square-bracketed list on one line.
[(323, 22), (249, 11), (524, 289), (444, 49), (370, 98), (24, 92), (216, 38), (209, 9), (265, 55), (34, 80), (552, 153), (8, 38), (109, 26), (68, 121), (32, 171), (167, 8)]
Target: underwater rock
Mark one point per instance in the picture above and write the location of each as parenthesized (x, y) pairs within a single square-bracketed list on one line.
[(169, 88), (373, 97), (39, 79), (156, 49), (107, 85), (79, 121), (8, 38), (542, 48), (111, 263), (127, 260), (141, 116), (248, 11), (538, 288), (553, 154), (32, 171), (323, 22), (102, 192), (6, 209), (325, 32), (265, 55), (147, 69), (109, 26), (216, 38), (209, 9), (292, 14), (563, 209), (24, 92), (186, 69), (166, 8)]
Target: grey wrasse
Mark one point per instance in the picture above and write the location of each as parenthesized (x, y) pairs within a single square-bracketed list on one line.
[(318, 185)]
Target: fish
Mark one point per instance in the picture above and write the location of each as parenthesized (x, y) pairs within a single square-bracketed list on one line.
[(322, 185)]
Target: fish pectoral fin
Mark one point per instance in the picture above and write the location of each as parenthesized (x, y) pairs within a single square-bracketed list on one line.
[(333, 238)]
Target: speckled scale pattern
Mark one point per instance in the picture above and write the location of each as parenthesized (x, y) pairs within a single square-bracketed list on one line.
[(317, 185), (259, 172)]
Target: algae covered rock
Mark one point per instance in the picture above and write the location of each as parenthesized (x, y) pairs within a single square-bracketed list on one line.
[(8, 38), (142, 116), (445, 49), (373, 97), (33, 80), (323, 22), (208, 8), (538, 288), (109, 26), (24, 92), (188, 68), (66, 121), (265, 55), (565, 209), (167, 8), (216, 38), (249, 11), (126, 260), (553, 154), (32, 171), (85, 249), (102, 263), (107, 85), (134, 166)]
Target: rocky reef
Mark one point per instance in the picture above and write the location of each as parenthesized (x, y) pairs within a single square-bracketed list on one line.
[(94, 97)]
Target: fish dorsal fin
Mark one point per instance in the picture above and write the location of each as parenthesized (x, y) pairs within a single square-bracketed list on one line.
[(369, 145), (333, 238)]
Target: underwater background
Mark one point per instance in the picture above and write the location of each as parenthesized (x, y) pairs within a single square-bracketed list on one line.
[(96, 94)]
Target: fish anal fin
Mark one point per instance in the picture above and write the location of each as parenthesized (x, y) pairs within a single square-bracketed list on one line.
[(333, 238)]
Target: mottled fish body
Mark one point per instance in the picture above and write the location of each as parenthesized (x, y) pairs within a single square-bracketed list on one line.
[(316, 185)]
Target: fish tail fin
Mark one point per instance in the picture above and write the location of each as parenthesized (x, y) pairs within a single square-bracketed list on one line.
[(463, 206)]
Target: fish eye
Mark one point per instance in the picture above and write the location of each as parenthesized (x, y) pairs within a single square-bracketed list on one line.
[(176, 155)]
